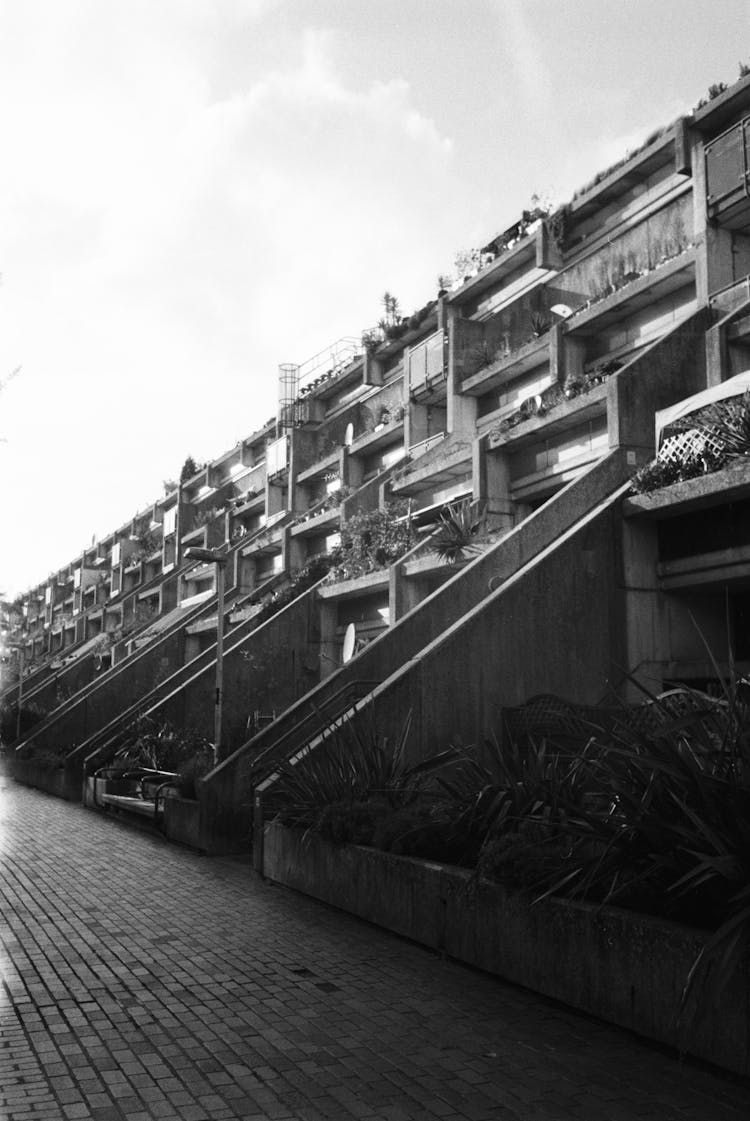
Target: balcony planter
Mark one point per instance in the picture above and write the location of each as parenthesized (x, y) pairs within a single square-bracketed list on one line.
[(621, 966)]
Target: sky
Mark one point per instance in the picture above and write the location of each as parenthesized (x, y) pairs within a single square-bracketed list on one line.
[(195, 191)]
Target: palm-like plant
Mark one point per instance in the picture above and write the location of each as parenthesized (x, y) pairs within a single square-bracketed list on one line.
[(458, 530), (354, 763), (665, 824)]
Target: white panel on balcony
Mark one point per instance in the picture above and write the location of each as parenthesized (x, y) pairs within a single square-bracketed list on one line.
[(170, 520), (426, 361), (276, 456)]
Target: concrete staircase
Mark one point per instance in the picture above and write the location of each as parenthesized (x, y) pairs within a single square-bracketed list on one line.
[(440, 661)]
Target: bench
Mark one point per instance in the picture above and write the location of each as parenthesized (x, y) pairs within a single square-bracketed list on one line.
[(138, 790)]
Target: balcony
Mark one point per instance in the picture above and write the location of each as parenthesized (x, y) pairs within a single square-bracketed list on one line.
[(704, 541), (728, 177), (324, 514), (508, 367), (383, 435), (425, 365), (548, 415), (637, 295), (518, 269), (439, 462)]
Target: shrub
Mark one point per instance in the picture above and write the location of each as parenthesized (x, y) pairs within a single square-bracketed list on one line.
[(310, 574), (664, 823), (725, 428), (373, 540), (357, 785)]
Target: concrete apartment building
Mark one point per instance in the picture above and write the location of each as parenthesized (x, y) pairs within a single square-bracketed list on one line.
[(531, 389)]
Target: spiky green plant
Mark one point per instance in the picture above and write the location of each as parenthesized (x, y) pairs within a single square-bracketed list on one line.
[(458, 530), (665, 824), (354, 764)]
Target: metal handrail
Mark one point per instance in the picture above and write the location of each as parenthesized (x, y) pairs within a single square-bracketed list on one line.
[(316, 719)]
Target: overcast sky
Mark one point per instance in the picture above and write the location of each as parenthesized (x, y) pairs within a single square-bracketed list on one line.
[(194, 191)]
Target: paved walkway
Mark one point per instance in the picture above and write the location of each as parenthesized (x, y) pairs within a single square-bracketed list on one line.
[(141, 981)]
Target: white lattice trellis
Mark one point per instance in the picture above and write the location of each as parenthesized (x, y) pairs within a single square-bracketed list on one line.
[(689, 445)]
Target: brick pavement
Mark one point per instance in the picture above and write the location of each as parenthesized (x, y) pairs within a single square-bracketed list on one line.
[(142, 981)]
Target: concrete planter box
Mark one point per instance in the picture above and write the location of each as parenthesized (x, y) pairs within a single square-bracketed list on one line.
[(626, 968), (52, 780), (182, 821)]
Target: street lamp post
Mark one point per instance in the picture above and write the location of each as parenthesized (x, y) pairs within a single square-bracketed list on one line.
[(211, 556), (18, 645), (20, 691)]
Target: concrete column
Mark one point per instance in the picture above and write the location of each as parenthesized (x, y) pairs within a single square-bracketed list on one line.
[(352, 470), (714, 263), (293, 551), (329, 652), (491, 484), (461, 408), (717, 359), (571, 359)]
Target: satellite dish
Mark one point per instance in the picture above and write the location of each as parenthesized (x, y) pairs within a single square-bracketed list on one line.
[(562, 310), (350, 640), (349, 435)]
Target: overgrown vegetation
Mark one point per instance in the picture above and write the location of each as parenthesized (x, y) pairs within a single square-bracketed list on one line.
[(373, 540), (645, 807), (360, 789), (314, 570), (706, 441)]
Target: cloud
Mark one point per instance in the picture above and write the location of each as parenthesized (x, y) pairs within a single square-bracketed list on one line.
[(530, 71), (167, 242)]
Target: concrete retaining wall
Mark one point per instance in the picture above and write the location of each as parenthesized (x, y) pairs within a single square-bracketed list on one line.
[(628, 969), (181, 821), (42, 776)]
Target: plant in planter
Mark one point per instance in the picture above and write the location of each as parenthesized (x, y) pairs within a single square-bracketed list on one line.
[(458, 530), (371, 340), (653, 815), (539, 322), (698, 444), (373, 540), (357, 787)]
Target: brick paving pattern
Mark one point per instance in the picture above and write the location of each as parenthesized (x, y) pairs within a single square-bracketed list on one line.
[(142, 981)]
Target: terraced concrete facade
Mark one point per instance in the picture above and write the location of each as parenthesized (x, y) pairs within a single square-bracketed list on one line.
[(529, 389)]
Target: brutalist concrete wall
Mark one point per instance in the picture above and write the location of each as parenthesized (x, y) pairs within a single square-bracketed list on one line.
[(51, 779), (267, 671), (182, 821), (431, 619), (555, 627), (666, 372), (84, 714), (634, 252), (63, 683)]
